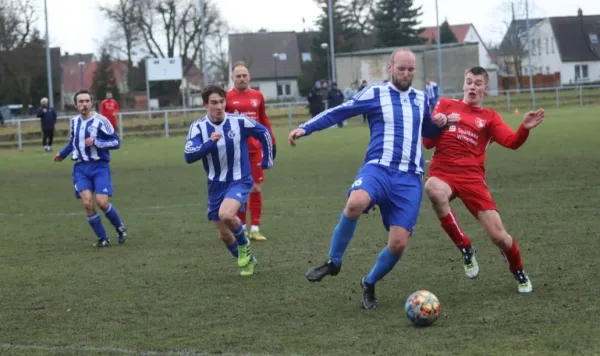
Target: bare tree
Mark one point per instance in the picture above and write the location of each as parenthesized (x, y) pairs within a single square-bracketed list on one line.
[(16, 23), (218, 53)]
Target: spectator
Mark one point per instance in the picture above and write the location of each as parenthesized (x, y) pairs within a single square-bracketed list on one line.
[(335, 97), (47, 117), (315, 100), (351, 91)]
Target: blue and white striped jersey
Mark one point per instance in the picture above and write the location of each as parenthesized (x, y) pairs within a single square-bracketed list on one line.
[(227, 159), (397, 119), (100, 129), (432, 91)]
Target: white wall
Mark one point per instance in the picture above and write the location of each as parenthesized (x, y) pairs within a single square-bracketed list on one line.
[(269, 89), (484, 58), (567, 72), (545, 58)]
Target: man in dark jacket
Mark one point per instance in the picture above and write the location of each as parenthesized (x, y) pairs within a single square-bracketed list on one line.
[(335, 97), (47, 117), (315, 100)]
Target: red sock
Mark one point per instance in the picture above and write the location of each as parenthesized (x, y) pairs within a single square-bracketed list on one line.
[(450, 225), (256, 207), (242, 215), (513, 256)]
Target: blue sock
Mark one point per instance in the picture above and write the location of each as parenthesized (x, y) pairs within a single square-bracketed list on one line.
[(113, 216), (233, 248), (342, 234), (385, 263), (240, 235), (97, 226)]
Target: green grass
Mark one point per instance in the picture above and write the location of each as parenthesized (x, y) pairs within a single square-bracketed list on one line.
[(173, 286)]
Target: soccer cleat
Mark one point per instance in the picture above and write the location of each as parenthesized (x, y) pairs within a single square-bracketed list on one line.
[(369, 301), (249, 269), (102, 243), (470, 263), (524, 285), (317, 273), (244, 255), (122, 234), (256, 236)]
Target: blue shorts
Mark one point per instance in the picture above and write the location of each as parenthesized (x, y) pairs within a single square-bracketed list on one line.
[(398, 194), (219, 191), (92, 176)]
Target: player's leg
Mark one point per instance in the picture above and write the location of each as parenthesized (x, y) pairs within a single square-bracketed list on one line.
[(492, 223), (104, 190), (50, 138), (241, 214), (440, 193), (233, 199), (227, 237), (84, 190), (399, 214), (255, 200), (45, 139), (363, 194)]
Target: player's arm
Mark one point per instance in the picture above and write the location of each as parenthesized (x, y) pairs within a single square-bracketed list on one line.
[(262, 134), (69, 146), (505, 135), (430, 129), (108, 138), (195, 148), (440, 108), (361, 103), (264, 120)]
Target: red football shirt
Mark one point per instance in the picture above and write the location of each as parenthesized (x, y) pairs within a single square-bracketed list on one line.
[(109, 108), (460, 149), (250, 103)]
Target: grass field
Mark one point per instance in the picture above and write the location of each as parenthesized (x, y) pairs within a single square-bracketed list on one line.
[(174, 287)]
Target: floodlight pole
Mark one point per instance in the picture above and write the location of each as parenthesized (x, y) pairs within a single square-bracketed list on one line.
[(48, 59), (439, 52)]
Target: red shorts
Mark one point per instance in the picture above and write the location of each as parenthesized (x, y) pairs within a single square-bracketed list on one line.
[(258, 174), (473, 192)]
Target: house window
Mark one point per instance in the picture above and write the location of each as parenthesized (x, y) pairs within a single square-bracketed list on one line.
[(552, 44), (532, 48), (306, 57), (282, 56), (547, 48), (284, 90), (593, 38), (547, 70), (581, 71)]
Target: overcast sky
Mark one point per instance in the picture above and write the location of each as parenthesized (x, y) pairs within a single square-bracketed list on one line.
[(76, 26)]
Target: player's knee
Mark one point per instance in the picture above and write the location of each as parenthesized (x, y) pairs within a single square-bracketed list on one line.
[(255, 188), (358, 201), (102, 203), (398, 240), (436, 194), (227, 217), (88, 204)]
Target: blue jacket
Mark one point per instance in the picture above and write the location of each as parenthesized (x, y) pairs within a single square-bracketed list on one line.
[(48, 118)]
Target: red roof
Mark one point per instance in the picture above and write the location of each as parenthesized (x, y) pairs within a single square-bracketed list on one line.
[(72, 73), (460, 31)]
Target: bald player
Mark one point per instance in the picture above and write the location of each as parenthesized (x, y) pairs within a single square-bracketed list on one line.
[(243, 100)]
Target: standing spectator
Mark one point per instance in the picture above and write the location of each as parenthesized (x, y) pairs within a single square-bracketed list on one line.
[(351, 91), (109, 108), (335, 97), (47, 117), (315, 100)]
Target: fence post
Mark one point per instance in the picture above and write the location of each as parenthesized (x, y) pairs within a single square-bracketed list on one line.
[(580, 96), (557, 98), (508, 100), (166, 124), (19, 135), (121, 125), (290, 115)]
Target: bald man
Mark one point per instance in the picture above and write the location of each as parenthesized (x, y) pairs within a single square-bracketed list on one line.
[(391, 176)]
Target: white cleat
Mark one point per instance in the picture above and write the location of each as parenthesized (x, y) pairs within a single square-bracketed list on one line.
[(524, 283), (470, 263)]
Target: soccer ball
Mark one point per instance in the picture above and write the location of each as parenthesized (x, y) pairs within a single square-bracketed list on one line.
[(422, 308)]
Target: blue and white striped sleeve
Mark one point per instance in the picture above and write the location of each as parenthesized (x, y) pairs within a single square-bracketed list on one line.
[(109, 138), (261, 133), (195, 148), (361, 103), (69, 146)]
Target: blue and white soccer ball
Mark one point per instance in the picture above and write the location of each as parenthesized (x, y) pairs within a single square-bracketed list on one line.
[(422, 308)]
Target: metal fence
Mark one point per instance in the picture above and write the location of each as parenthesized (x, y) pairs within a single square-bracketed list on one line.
[(26, 132)]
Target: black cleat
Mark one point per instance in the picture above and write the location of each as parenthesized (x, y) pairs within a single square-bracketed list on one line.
[(102, 243), (369, 301), (317, 273), (122, 234)]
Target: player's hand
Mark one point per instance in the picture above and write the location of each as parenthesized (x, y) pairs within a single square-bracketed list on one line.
[(453, 118), (533, 118), (57, 158), (215, 136), (274, 151), (89, 141), (440, 120), (294, 135)]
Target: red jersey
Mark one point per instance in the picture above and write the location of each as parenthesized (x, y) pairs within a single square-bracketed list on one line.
[(460, 149), (250, 103), (109, 108)]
